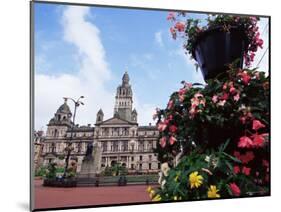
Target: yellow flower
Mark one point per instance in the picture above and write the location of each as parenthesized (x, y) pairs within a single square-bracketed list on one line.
[(151, 194), (176, 178), (195, 180), (156, 198), (212, 192), (149, 189)]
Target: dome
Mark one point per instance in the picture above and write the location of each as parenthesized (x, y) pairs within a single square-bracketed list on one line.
[(64, 108)]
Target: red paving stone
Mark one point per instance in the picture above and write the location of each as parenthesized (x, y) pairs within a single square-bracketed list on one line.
[(47, 197)]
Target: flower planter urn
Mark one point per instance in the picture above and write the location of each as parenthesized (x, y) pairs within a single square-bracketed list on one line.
[(215, 48)]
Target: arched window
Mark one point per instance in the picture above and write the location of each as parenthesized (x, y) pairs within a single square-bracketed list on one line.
[(59, 117), (56, 133)]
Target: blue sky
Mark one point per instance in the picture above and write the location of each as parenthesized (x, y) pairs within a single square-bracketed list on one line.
[(85, 51)]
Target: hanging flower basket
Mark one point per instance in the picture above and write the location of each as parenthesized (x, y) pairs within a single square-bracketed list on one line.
[(218, 41), (215, 48)]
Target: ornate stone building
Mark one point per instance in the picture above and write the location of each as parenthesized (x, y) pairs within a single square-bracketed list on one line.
[(121, 138), (38, 148)]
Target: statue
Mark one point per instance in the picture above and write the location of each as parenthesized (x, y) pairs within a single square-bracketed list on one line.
[(91, 162), (89, 151)]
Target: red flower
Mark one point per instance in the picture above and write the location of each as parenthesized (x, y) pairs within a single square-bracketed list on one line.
[(247, 157), (258, 140), (245, 77), (173, 128), (180, 26), (234, 189), (246, 170), (245, 142), (252, 56), (257, 125), (236, 169), (172, 140), (162, 142), (162, 126), (224, 96), (236, 154)]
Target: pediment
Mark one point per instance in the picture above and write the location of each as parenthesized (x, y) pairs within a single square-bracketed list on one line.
[(116, 121)]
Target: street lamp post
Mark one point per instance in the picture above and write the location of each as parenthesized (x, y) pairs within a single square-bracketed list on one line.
[(77, 103)]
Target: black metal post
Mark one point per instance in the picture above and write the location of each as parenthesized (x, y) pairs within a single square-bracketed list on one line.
[(76, 104)]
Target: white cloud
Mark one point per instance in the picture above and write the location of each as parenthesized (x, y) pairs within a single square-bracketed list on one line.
[(158, 38), (88, 81)]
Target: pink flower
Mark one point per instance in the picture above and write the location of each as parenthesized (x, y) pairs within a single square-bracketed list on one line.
[(170, 104), (171, 16), (257, 125), (181, 98), (215, 99), (162, 142), (173, 32), (188, 85), (182, 91), (232, 90), (161, 126), (194, 102), (173, 128), (236, 169), (252, 56), (172, 140), (234, 189), (245, 142), (246, 170), (236, 97), (224, 87), (222, 102), (180, 26), (197, 95), (257, 75)]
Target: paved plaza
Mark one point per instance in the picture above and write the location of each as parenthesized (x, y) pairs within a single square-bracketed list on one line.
[(47, 197)]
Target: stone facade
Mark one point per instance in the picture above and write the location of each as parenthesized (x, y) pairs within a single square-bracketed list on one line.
[(38, 149), (120, 137)]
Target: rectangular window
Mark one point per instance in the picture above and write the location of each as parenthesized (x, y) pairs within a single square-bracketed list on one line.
[(104, 147), (132, 158), (149, 166), (140, 157)]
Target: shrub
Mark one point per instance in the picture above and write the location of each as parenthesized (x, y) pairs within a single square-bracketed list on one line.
[(219, 133)]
